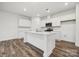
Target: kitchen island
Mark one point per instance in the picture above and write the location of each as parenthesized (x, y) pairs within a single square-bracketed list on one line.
[(42, 40)]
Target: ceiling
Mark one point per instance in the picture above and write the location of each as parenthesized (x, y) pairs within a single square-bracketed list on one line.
[(35, 8)]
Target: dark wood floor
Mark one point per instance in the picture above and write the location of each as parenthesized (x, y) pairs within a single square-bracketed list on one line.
[(17, 48), (38, 51), (65, 49)]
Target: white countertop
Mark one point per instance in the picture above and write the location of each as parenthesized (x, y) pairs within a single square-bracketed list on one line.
[(46, 33)]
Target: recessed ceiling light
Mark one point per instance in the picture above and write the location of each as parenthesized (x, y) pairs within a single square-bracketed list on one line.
[(24, 9), (66, 4)]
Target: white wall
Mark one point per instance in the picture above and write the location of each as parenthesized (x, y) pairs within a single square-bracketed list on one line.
[(24, 25), (35, 23), (77, 25), (8, 26), (24, 21)]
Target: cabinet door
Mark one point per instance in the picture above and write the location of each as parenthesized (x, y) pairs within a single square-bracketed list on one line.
[(43, 22), (55, 22)]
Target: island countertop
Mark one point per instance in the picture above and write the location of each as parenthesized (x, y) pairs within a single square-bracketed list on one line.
[(46, 33)]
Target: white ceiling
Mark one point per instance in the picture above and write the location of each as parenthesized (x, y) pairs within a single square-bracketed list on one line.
[(34, 8)]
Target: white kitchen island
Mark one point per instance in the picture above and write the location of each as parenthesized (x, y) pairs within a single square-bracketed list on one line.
[(42, 40)]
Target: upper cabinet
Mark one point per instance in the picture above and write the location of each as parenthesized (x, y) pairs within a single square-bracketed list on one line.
[(68, 17), (42, 23), (55, 21)]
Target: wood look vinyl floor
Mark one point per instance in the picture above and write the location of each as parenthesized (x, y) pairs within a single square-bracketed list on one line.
[(17, 48), (65, 49)]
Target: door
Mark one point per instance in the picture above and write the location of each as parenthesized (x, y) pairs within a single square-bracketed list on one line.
[(68, 30)]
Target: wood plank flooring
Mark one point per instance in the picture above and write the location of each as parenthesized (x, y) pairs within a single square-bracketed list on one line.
[(17, 48), (37, 50), (65, 49)]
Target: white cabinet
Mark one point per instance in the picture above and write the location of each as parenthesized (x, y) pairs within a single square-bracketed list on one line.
[(55, 21), (42, 40), (42, 23), (68, 17)]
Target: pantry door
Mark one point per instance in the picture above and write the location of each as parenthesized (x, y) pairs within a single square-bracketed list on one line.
[(68, 30)]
